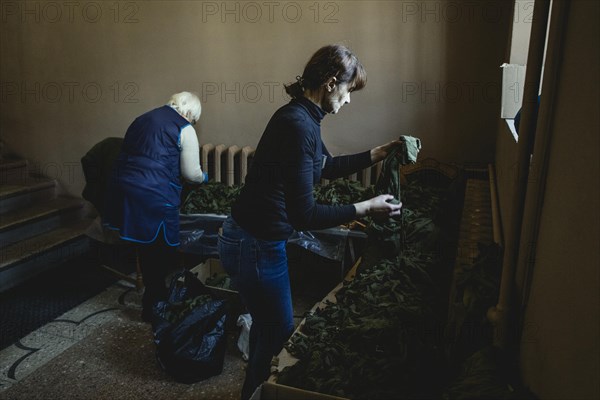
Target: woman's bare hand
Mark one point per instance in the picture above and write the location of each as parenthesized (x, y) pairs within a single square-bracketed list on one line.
[(378, 206)]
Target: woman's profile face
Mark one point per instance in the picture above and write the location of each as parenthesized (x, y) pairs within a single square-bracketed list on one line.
[(334, 100)]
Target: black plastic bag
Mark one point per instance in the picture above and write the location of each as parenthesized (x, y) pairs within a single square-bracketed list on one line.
[(192, 348)]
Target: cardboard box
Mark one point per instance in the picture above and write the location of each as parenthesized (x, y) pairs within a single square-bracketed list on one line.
[(285, 359), (209, 268), (274, 391)]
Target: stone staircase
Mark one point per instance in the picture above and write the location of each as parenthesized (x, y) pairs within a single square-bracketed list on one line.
[(38, 229)]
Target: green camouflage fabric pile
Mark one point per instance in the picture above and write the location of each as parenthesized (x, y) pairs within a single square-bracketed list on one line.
[(484, 371), (381, 338), (385, 337), (178, 311), (210, 198), (217, 197), (342, 191), (220, 280), (479, 283)]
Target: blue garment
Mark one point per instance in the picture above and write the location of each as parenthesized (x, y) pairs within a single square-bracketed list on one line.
[(289, 159), (259, 271), (145, 189)]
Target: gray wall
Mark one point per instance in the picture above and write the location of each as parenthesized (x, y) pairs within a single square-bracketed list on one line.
[(72, 75)]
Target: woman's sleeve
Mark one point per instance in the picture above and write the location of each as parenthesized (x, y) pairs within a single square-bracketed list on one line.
[(341, 166), (298, 157), (190, 156)]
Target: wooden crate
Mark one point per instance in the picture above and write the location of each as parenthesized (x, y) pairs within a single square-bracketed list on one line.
[(274, 391)]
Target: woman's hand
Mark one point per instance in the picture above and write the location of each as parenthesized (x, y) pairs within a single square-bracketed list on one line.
[(378, 206), (380, 152)]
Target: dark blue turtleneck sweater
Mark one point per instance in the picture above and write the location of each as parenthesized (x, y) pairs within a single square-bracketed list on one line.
[(290, 157)]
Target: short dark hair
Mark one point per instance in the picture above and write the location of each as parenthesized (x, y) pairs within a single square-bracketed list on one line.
[(330, 61)]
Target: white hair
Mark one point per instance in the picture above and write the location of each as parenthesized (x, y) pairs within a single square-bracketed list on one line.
[(187, 104)]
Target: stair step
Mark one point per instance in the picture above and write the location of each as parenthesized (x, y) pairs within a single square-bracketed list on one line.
[(13, 190), (13, 171), (13, 196), (38, 244), (38, 218), (24, 259)]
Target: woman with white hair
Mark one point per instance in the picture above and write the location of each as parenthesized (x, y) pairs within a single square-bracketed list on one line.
[(144, 191)]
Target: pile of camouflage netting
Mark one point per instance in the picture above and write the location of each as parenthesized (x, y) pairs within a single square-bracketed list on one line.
[(381, 339), (217, 197), (210, 198), (384, 337)]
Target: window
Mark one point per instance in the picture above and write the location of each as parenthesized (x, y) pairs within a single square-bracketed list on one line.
[(514, 71)]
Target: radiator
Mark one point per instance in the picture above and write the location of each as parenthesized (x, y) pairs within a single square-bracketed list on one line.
[(229, 164), (226, 164)]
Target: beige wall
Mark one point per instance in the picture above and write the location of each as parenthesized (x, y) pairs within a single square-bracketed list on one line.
[(506, 172), (560, 349), (521, 31), (73, 73)]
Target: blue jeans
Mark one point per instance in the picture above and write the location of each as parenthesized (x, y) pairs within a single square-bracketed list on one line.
[(259, 272)]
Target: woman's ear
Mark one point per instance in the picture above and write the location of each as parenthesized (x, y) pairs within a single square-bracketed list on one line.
[(330, 84)]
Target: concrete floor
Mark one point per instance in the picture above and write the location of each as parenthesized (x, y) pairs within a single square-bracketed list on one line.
[(101, 349)]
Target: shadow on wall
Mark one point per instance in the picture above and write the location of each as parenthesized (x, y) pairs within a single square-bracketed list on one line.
[(471, 91)]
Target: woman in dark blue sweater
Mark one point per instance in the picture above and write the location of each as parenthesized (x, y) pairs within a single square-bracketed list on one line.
[(278, 199)]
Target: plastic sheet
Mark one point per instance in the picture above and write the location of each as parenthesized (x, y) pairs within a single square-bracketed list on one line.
[(199, 234), (245, 322), (192, 348), (330, 244)]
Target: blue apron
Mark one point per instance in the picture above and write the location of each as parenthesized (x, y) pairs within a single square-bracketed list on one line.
[(145, 189)]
